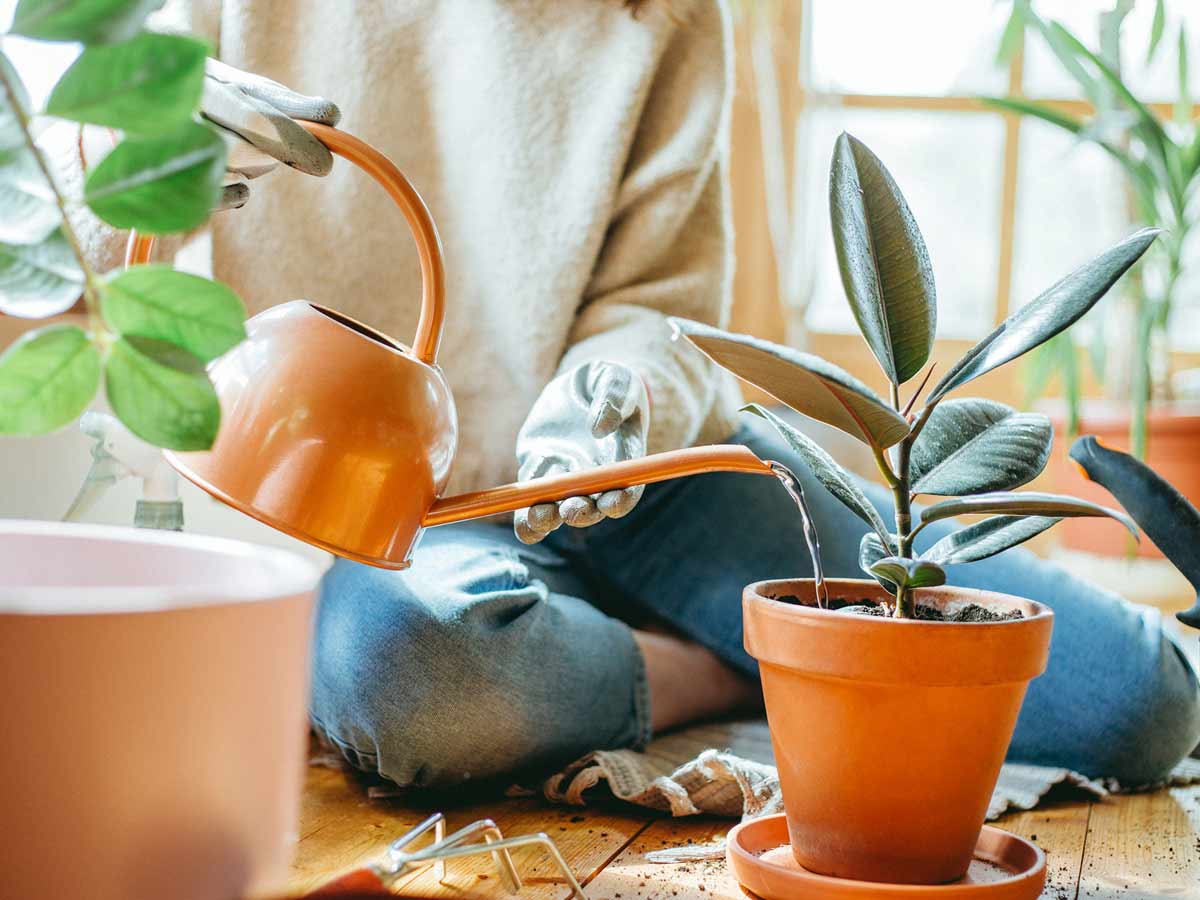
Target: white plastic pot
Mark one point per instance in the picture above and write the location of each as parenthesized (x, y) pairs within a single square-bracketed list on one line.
[(154, 712)]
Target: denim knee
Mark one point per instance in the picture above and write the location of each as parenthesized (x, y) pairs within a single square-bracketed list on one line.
[(382, 691), (468, 669), (1140, 736)]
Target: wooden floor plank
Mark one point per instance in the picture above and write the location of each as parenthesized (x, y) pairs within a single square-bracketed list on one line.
[(630, 877), (1143, 847), (1060, 829), (342, 828)]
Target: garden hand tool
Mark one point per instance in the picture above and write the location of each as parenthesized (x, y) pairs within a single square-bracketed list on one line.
[(343, 437), (257, 117), (118, 454), (482, 836), (1164, 514), (593, 415)]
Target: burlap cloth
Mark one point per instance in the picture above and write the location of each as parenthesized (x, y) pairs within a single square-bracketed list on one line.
[(684, 774)]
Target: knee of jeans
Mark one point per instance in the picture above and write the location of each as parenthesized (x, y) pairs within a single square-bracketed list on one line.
[(1144, 732), (391, 675)]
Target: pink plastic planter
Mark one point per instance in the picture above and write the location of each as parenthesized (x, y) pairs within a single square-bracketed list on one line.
[(154, 724)]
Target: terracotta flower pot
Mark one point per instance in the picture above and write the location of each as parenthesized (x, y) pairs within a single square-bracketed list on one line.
[(155, 721), (1172, 438), (889, 735)]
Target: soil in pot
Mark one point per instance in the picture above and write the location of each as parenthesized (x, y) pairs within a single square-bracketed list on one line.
[(924, 612), (889, 734)]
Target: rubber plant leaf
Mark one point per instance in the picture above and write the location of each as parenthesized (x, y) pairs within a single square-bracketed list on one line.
[(1023, 503), (806, 383), (204, 317), (145, 85), (39, 280), (159, 185), (47, 378), (30, 210), (86, 21), (871, 549), (835, 479), (1050, 313), (987, 538), (162, 394), (970, 446), (882, 259), (907, 573)]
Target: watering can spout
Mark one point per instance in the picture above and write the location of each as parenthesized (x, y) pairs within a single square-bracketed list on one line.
[(646, 470), (337, 434)]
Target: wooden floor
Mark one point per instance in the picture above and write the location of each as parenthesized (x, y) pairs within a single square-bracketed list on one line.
[(1139, 846)]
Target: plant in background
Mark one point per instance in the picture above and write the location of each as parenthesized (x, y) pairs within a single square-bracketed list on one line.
[(150, 330), (1161, 163), (972, 451)]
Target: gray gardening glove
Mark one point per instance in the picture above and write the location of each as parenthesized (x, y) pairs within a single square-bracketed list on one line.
[(595, 414), (256, 117)]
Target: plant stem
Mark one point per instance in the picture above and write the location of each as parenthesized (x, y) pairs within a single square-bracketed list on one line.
[(903, 500), (91, 281)]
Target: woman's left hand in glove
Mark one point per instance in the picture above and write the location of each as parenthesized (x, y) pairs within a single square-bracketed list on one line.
[(598, 413)]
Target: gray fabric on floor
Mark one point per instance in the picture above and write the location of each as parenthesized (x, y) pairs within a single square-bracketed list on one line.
[(684, 775)]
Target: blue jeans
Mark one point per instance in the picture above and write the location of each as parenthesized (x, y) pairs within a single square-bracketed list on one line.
[(488, 656)]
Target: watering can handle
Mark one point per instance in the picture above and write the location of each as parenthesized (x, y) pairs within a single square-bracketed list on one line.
[(420, 223)]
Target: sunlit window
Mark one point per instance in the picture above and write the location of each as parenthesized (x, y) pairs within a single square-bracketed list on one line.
[(1006, 206)]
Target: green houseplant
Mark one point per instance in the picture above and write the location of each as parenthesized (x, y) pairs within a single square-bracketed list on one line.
[(943, 692), (171, 662), (1160, 160), (149, 329)]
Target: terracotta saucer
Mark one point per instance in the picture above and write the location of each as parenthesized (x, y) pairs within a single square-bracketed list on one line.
[(1006, 867)]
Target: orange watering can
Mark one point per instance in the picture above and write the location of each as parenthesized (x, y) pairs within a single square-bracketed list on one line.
[(338, 435)]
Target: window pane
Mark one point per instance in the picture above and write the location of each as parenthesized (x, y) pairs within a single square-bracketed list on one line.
[(1044, 77), (1070, 207), (923, 47), (949, 167)]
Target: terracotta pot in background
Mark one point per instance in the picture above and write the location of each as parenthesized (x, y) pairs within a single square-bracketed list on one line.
[(889, 735), (1172, 450), (155, 720)]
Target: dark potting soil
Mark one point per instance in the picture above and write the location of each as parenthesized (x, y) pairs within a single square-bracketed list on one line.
[(972, 612)]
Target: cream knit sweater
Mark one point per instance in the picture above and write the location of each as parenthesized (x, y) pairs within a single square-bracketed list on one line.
[(573, 158)]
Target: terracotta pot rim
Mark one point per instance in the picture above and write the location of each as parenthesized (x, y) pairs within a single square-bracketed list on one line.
[(927, 596), (1100, 415), (824, 644)]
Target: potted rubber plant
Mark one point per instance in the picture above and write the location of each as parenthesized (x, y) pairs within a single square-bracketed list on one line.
[(1159, 158), (891, 700), (153, 671)]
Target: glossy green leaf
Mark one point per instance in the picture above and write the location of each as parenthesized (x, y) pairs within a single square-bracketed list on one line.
[(39, 280), (871, 549), (203, 317), (1047, 315), (835, 479), (12, 136), (987, 538), (970, 446), (907, 573), (159, 185), (806, 383), (1023, 503), (86, 21), (162, 394), (47, 378), (28, 209), (883, 262), (149, 84)]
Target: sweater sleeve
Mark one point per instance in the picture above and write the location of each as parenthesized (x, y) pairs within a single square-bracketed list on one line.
[(668, 248)]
